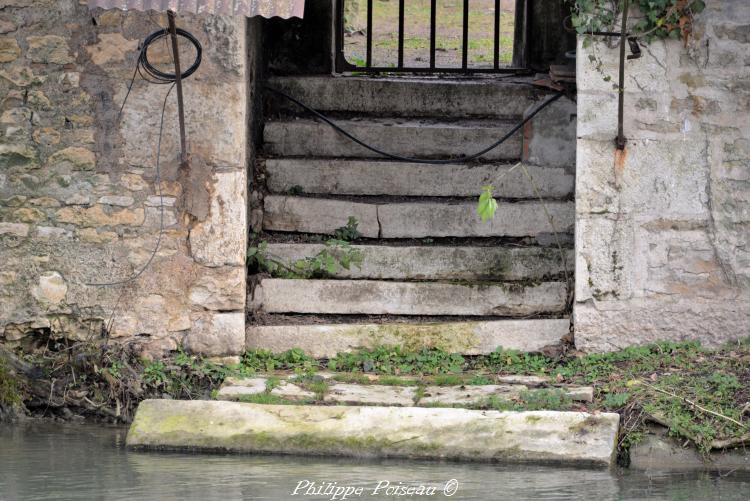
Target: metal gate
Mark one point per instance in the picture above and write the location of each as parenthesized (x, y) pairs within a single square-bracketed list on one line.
[(366, 66)]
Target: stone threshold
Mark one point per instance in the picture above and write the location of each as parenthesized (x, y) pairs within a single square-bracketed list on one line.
[(328, 388), (569, 438)]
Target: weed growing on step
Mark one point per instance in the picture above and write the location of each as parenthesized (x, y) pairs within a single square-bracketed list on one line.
[(396, 360), (349, 231), (540, 400), (337, 254)]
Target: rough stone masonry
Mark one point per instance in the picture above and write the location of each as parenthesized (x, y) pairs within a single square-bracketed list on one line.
[(663, 236), (78, 197)]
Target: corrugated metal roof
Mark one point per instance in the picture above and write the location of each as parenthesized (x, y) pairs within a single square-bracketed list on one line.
[(249, 8)]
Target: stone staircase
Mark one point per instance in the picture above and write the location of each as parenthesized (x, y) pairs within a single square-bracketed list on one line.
[(432, 274)]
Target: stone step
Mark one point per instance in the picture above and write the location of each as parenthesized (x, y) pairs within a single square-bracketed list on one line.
[(406, 137), (467, 338), (375, 177), (405, 96), (438, 262), (371, 297), (389, 395), (575, 438), (415, 219)]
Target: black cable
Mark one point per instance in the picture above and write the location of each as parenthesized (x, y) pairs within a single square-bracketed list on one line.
[(400, 158), (161, 204), (144, 67)]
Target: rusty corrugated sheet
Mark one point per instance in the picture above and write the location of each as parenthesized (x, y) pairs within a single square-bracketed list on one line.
[(249, 8)]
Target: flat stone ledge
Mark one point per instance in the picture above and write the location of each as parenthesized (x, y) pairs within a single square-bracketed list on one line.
[(441, 262), (405, 96), (391, 395), (432, 219), (371, 297), (416, 219), (574, 438), (374, 177), (468, 338)]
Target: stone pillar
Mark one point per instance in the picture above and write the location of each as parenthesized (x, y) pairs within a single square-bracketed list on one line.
[(663, 230)]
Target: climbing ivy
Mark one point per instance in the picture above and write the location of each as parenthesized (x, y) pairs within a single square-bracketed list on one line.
[(658, 18)]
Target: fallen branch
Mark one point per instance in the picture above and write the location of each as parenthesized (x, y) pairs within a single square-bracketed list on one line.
[(696, 406)]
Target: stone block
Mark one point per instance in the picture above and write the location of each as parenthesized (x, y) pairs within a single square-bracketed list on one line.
[(51, 49), (222, 238), (374, 177), (318, 215), (217, 334), (575, 438), (439, 262), (407, 298), (468, 338)]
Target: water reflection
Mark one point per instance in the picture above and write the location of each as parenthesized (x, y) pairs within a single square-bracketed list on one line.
[(46, 462)]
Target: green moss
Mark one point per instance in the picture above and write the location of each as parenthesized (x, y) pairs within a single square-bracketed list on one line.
[(10, 392)]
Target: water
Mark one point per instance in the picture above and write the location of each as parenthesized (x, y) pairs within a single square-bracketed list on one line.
[(59, 462)]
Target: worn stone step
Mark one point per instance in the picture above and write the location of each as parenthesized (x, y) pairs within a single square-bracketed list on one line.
[(438, 262), (432, 219), (416, 219), (406, 137), (468, 338), (405, 96), (376, 177), (371, 297), (390, 395), (575, 438), (314, 215)]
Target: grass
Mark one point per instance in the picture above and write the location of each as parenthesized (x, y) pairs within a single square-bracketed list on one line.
[(699, 394), (448, 40)]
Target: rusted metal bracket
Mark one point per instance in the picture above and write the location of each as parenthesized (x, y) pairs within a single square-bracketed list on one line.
[(178, 85), (621, 140)]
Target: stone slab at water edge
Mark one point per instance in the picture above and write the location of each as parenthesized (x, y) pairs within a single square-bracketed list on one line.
[(574, 438)]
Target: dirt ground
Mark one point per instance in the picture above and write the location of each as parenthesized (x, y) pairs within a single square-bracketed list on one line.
[(417, 33)]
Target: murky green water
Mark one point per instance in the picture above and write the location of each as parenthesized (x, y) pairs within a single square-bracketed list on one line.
[(57, 462)]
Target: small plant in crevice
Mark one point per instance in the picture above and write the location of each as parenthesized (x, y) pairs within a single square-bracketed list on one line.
[(349, 231)]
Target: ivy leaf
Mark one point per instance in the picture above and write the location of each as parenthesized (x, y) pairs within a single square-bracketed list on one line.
[(487, 204)]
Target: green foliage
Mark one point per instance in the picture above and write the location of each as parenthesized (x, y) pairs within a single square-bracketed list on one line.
[(154, 373), (616, 400), (479, 380), (397, 360), (336, 255), (537, 400), (349, 231), (513, 361), (264, 360), (10, 393), (660, 18), (487, 204)]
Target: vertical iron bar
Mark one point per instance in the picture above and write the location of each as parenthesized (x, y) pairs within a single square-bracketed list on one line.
[(433, 28), (178, 84), (368, 62), (496, 63), (621, 140), (465, 47), (401, 33)]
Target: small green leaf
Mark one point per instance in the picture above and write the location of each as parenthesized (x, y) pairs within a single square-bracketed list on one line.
[(487, 204)]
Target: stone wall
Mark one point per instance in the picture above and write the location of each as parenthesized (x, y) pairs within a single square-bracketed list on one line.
[(78, 197), (663, 234)]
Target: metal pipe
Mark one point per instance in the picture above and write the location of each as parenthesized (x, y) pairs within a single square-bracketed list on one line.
[(368, 57), (433, 28), (621, 140), (465, 37), (178, 85), (401, 9)]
